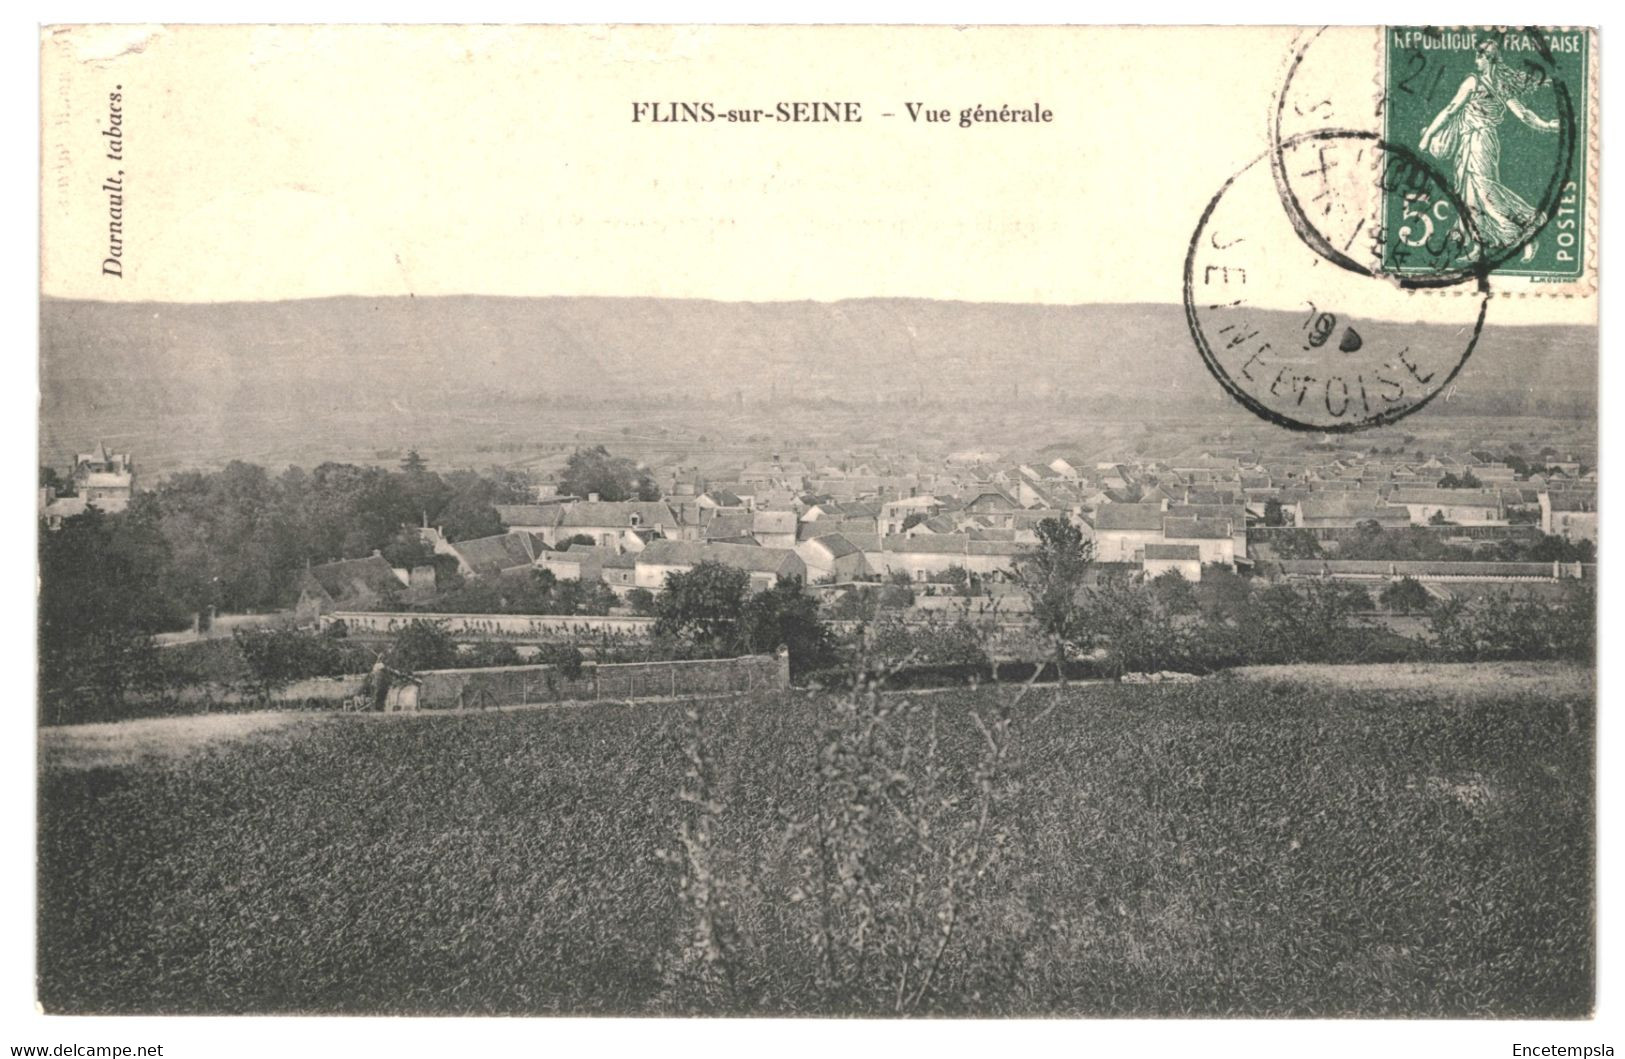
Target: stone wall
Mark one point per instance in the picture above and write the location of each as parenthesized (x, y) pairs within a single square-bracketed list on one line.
[(452, 689), (516, 628)]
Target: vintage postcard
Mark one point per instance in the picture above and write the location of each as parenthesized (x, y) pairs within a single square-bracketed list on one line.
[(819, 521)]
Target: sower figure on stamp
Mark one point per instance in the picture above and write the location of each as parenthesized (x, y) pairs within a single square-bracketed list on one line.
[(1466, 134)]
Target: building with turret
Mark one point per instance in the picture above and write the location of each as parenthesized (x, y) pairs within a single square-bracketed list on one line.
[(100, 479), (105, 480)]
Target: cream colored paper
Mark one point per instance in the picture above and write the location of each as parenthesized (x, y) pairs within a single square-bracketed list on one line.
[(280, 162)]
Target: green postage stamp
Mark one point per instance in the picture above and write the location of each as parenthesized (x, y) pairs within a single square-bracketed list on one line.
[(1495, 125)]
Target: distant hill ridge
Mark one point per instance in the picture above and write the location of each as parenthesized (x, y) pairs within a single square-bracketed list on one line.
[(323, 354)]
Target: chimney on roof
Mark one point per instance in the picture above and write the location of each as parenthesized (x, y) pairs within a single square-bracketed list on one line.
[(592, 498)]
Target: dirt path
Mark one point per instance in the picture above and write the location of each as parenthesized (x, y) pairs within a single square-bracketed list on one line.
[(1447, 679), (126, 742)]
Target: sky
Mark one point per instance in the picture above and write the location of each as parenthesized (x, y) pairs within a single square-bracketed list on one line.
[(281, 162)]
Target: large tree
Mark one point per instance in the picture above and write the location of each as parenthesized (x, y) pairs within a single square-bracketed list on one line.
[(1295, 544), (234, 546), (469, 510), (48, 476), (103, 582), (786, 616), (346, 511), (594, 470), (703, 606), (1052, 575), (1405, 595), (421, 645)]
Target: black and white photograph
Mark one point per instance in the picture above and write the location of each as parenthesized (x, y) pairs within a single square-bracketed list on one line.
[(899, 523)]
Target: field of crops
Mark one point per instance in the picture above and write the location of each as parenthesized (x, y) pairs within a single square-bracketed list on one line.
[(1401, 842)]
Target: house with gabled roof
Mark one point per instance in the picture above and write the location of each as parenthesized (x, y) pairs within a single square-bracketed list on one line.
[(894, 513), (774, 529), (1114, 476), (1235, 514), (1183, 559), (1039, 472), (725, 498), (1570, 514), (502, 555), (530, 518), (763, 565), (619, 572), (1463, 507), (54, 509), (1052, 493), (770, 497), (1205, 468), (1023, 525), (1121, 531), (934, 524), (346, 584), (1071, 467), (1438, 466), (729, 524), (578, 562), (1213, 538), (1341, 510), (921, 558), (605, 520), (832, 557), (1257, 483), (772, 478), (635, 540), (849, 527)]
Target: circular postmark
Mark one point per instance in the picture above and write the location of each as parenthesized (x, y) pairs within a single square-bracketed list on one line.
[(1441, 100), (1307, 342)]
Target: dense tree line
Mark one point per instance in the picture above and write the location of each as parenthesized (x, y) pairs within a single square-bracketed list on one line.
[(235, 540), (1124, 623), (1372, 541), (709, 612)]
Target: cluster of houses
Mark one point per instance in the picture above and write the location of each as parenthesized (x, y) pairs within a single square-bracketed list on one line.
[(927, 520), (829, 525)]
